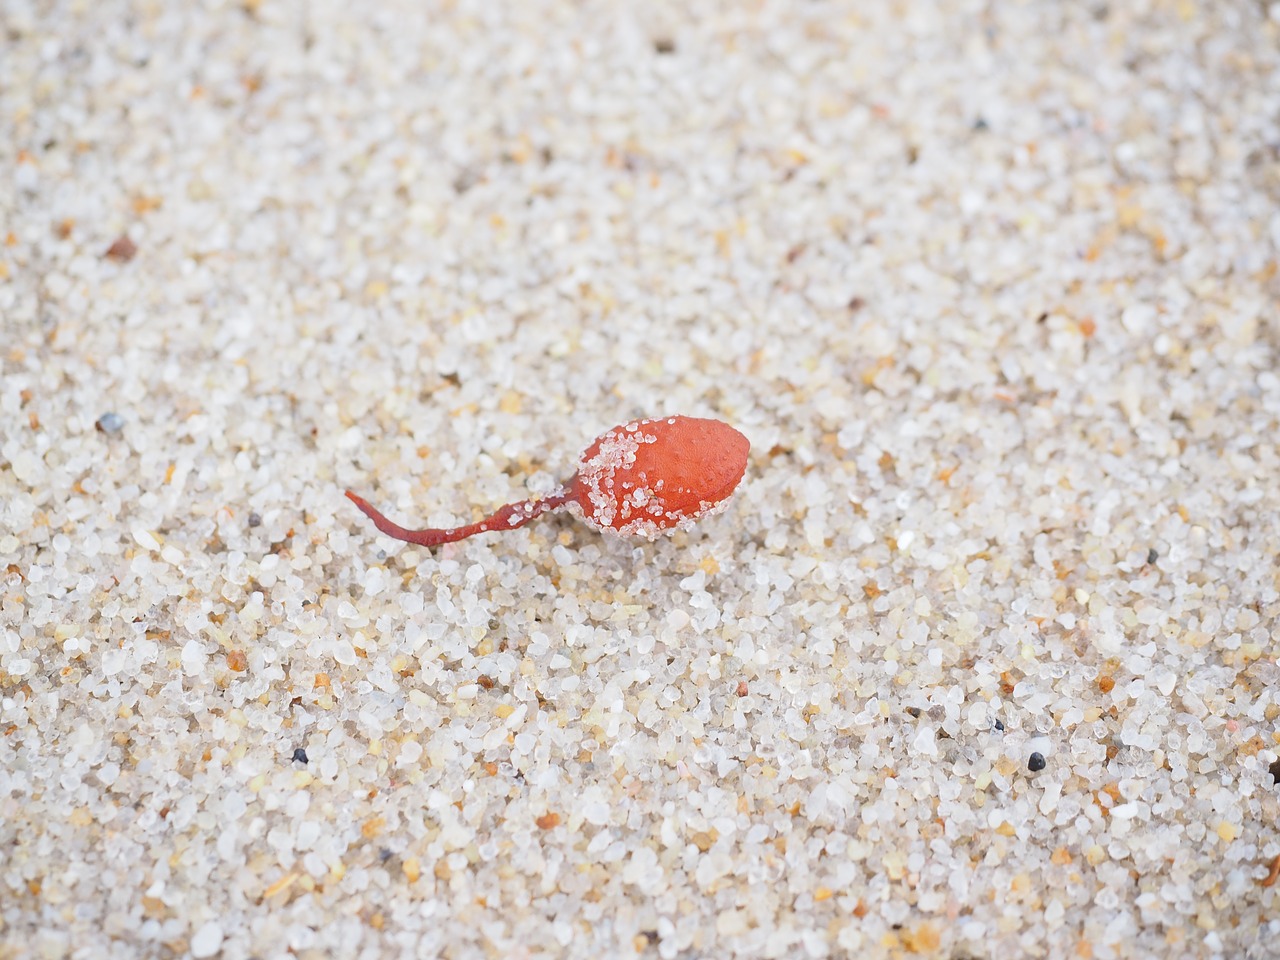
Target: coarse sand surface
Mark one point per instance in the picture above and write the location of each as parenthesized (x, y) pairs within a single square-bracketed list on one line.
[(979, 663)]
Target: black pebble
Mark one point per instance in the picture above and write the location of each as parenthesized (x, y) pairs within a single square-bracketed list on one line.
[(255, 520), (1035, 762), (1275, 772), (1153, 555), (1000, 726), (914, 711), (300, 755)]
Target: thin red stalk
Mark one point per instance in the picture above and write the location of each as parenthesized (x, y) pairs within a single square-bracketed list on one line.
[(508, 517)]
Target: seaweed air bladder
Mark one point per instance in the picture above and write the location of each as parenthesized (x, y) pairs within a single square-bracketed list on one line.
[(640, 479)]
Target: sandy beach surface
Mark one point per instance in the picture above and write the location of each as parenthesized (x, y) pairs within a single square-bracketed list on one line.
[(981, 661)]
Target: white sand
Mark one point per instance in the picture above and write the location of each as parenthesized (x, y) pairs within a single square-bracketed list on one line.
[(991, 287)]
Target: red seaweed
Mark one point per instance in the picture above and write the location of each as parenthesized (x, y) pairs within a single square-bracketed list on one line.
[(639, 479)]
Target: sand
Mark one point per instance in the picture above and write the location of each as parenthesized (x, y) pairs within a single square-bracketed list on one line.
[(980, 661)]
